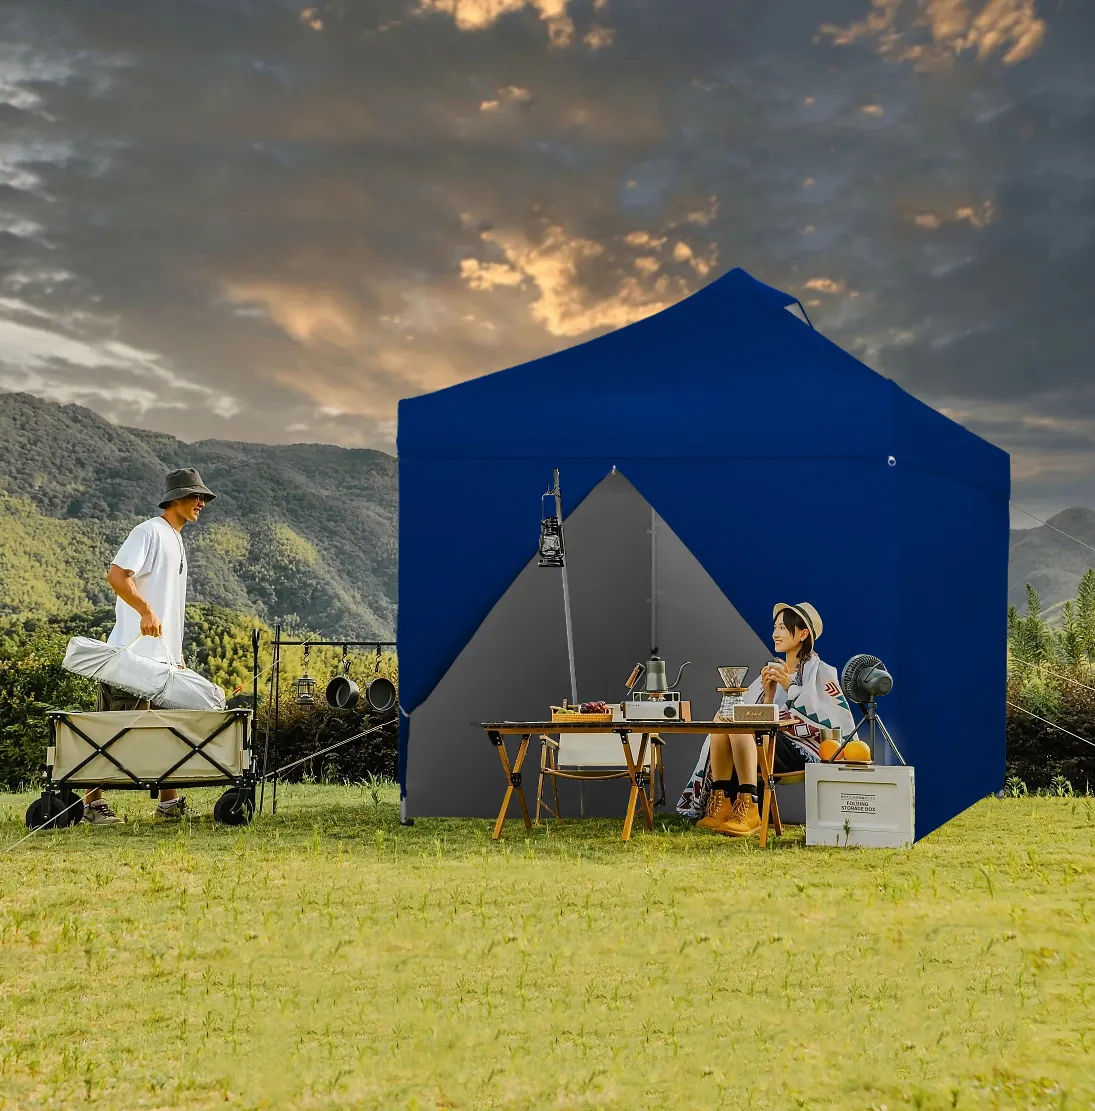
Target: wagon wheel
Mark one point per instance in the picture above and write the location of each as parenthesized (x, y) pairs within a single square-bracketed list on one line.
[(73, 806), (235, 807), (44, 812)]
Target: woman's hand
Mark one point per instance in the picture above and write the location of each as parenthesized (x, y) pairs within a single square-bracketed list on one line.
[(777, 673), (768, 679)]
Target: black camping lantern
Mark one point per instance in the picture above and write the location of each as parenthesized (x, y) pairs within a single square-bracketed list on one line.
[(551, 538), (305, 686)]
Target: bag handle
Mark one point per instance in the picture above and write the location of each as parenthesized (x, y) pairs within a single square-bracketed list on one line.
[(170, 659)]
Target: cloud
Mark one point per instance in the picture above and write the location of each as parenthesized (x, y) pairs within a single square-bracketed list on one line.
[(313, 317), (556, 266), (47, 355), (479, 15), (825, 285), (511, 94), (1008, 29)]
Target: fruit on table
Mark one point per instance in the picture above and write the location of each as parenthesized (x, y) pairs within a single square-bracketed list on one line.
[(827, 750), (594, 708), (857, 752)]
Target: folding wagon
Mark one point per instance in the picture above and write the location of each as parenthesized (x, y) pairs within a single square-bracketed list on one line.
[(147, 750)]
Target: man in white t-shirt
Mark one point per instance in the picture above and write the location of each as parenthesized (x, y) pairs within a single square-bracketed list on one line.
[(149, 577)]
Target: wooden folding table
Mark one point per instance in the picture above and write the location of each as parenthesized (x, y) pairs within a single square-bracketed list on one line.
[(652, 732)]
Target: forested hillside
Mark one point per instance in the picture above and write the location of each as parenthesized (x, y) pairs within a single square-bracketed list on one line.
[(302, 533)]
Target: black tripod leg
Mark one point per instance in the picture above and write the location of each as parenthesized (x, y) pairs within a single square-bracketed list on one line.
[(886, 734)]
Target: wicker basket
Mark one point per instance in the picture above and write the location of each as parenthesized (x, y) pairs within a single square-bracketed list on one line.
[(558, 715)]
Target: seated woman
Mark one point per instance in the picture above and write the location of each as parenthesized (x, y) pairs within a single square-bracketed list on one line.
[(807, 690)]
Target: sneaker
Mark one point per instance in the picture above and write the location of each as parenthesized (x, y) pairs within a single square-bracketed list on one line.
[(719, 808), (174, 808), (744, 818), (99, 814)]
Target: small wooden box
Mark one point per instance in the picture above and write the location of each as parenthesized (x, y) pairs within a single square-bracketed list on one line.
[(763, 713)]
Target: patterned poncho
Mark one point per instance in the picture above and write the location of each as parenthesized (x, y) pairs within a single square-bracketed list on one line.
[(814, 702)]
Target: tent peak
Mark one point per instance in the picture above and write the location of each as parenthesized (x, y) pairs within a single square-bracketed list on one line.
[(744, 282)]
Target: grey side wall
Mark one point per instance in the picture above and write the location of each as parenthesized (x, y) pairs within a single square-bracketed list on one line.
[(515, 666)]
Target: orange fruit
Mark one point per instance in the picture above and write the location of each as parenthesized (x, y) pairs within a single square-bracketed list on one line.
[(827, 749), (857, 752)]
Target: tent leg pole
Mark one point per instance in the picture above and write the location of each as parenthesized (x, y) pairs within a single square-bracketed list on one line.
[(566, 595), (653, 582)]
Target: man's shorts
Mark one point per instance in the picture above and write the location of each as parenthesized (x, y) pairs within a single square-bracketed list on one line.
[(110, 698)]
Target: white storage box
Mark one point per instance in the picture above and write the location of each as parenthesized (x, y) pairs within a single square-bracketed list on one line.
[(871, 805), (148, 745)]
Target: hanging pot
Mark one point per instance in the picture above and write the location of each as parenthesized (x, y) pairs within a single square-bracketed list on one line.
[(380, 694), (342, 693)]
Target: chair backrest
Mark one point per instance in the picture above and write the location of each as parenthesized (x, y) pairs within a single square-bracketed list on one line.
[(597, 752)]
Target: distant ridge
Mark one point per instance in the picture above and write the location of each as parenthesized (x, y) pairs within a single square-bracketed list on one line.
[(1051, 562)]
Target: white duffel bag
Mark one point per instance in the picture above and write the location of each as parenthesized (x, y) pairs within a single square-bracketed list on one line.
[(166, 685)]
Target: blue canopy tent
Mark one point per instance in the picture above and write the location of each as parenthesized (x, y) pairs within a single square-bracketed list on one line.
[(780, 467)]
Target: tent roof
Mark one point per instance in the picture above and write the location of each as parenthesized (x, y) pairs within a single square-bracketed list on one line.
[(725, 373)]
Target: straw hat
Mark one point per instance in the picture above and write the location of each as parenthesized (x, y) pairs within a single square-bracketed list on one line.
[(809, 615)]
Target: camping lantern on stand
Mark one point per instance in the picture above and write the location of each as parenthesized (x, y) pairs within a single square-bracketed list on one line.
[(551, 538), (305, 686), (551, 554)]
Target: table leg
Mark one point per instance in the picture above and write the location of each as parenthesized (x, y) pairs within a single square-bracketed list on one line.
[(765, 755), (540, 784), (647, 799), (776, 822), (633, 769), (513, 775)]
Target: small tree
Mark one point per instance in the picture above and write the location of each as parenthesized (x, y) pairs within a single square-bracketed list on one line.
[(1085, 613), (1030, 637), (1070, 639)]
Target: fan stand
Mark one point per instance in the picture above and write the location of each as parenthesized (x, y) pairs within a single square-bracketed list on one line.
[(870, 715)]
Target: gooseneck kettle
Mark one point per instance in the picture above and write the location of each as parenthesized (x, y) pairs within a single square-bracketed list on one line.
[(654, 669)]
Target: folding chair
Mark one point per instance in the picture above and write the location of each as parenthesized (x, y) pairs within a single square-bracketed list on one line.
[(595, 757)]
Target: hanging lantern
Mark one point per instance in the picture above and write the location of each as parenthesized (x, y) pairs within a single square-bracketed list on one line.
[(551, 538), (305, 686)]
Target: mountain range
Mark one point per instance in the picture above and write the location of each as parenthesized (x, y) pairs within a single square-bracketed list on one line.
[(302, 533), (1052, 558)]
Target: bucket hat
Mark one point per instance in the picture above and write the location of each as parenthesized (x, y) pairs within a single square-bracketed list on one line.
[(182, 484), (809, 615)]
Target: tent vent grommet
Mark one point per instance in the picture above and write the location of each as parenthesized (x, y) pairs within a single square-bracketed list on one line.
[(892, 461)]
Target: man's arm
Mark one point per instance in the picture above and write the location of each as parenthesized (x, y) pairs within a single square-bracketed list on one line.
[(121, 582)]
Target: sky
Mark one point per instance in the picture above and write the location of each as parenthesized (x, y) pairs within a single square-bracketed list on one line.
[(255, 220)]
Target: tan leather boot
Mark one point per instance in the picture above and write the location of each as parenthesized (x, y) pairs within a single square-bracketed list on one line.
[(719, 808), (744, 818)]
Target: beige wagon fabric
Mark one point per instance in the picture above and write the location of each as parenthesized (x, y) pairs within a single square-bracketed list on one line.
[(149, 748)]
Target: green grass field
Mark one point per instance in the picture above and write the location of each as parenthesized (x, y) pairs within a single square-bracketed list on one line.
[(328, 958)]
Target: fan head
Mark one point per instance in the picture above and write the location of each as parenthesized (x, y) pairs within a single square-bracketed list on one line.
[(865, 677)]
